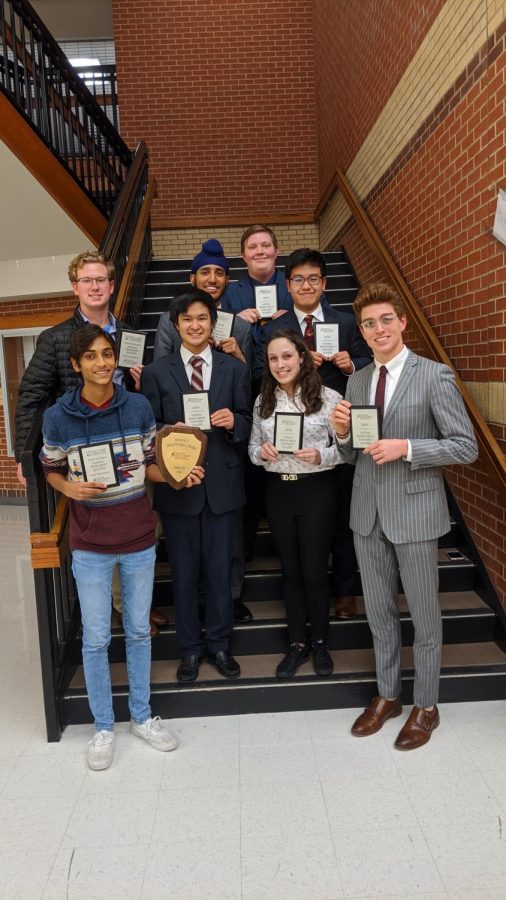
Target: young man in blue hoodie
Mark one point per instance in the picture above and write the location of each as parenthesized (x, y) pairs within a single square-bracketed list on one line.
[(109, 523)]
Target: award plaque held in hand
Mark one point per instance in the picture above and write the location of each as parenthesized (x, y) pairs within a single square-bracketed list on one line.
[(178, 449)]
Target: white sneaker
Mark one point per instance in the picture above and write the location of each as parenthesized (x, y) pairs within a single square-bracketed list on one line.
[(155, 733), (100, 750)]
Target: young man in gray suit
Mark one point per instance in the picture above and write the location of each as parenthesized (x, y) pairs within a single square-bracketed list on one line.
[(398, 507)]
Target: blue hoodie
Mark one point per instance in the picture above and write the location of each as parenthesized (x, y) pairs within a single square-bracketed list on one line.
[(120, 519)]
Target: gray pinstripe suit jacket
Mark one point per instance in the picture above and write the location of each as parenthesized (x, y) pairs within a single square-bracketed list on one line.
[(409, 498)]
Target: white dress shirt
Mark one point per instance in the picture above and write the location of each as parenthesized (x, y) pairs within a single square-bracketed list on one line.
[(317, 315), (318, 433), (207, 366)]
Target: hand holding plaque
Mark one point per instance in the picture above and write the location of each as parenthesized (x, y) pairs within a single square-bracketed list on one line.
[(196, 410), (288, 431), (223, 326), (365, 426), (179, 449), (131, 349), (326, 336), (98, 464), (266, 300)]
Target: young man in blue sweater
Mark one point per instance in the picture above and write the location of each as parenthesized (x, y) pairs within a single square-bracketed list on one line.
[(109, 523)]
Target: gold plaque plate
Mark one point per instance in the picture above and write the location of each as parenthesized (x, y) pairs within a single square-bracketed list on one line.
[(178, 449)]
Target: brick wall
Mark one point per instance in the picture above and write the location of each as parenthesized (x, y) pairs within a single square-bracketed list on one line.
[(223, 93), (9, 486), (434, 206), (363, 48)]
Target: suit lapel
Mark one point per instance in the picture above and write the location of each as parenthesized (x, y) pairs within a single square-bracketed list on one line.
[(406, 377), (217, 380), (178, 372), (366, 386)]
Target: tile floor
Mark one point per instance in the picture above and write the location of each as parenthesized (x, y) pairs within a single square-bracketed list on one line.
[(253, 807)]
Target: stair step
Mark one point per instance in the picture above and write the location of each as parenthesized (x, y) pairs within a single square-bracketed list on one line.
[(263, 577), (468, 671), (466, 619)]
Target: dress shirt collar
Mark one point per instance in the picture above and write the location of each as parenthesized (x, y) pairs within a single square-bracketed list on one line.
[(301, 315), (110, 328), (205, 354), (394, 365), (272, 280)]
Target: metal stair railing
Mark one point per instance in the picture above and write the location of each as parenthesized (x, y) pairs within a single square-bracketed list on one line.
[(127, 242), (39, 81)]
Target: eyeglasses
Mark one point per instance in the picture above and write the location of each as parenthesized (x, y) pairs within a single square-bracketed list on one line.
[(313, 280), (385, 321), (87, 281)]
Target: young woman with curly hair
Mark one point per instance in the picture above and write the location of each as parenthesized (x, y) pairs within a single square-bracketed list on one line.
[(299, 493)]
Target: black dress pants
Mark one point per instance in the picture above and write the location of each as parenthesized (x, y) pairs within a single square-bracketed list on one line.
[(301, 516)]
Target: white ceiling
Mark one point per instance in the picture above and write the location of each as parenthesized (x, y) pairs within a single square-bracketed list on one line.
[(32, 223), (73, 19)]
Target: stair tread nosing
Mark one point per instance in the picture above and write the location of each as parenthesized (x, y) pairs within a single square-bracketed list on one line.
[(348, 663)]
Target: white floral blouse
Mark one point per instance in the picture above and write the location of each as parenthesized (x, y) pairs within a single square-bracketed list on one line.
[(318, 433)]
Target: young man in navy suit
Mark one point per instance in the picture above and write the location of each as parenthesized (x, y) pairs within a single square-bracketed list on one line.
[(305, 273), (198, 526), (259, 250)]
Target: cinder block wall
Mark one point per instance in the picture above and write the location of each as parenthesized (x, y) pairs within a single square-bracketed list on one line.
[(178, 243)]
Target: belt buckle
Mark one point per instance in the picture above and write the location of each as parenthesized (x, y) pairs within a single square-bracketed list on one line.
[(289, 477)]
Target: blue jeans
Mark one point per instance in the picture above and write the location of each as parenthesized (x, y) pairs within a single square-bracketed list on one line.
[(93, 574)]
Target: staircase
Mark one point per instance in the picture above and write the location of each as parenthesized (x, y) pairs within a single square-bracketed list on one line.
[(474, 664)]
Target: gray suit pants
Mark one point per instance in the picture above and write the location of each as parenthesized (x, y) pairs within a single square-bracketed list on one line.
[(380, 563)]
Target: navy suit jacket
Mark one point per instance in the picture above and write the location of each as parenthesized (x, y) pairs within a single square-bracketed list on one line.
[(240, 295), (350, 339), (163, 382)]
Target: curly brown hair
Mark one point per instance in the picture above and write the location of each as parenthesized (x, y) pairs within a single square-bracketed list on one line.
[(377, 292), (308, 379), (90, 256)]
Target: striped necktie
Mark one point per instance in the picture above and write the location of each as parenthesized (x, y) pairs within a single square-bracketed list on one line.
[(309, 332), (197, 381)]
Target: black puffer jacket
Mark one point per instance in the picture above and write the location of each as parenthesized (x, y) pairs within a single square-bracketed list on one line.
[(48, 375)]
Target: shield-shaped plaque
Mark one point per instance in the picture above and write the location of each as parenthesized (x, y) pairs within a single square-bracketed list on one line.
[(178, 449)]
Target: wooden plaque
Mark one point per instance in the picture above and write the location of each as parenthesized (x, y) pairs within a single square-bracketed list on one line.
[(178, 449)]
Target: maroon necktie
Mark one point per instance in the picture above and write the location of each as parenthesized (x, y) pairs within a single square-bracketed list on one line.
[(379, 397), (197, 381), (309, 332)]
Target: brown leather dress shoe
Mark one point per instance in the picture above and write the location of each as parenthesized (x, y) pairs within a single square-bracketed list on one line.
[(418, 728), (346, 607), (156, 617), (375, 715)]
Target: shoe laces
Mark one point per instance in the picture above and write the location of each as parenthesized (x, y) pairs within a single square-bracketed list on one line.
[(295, 650), (101, 739), (155, 725)]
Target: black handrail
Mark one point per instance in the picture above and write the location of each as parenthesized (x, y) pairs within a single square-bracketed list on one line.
[(56, 598), (101, 82), (37, 78)]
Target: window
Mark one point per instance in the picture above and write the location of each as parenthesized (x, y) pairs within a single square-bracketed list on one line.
[(16, 350)]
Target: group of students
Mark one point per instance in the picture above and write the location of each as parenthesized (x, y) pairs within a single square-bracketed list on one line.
[(395, 487)]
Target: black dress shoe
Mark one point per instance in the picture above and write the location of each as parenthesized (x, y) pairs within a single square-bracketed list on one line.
[(188, 668), (297, 654), (225, 663), (241, 612), (323, 663)]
